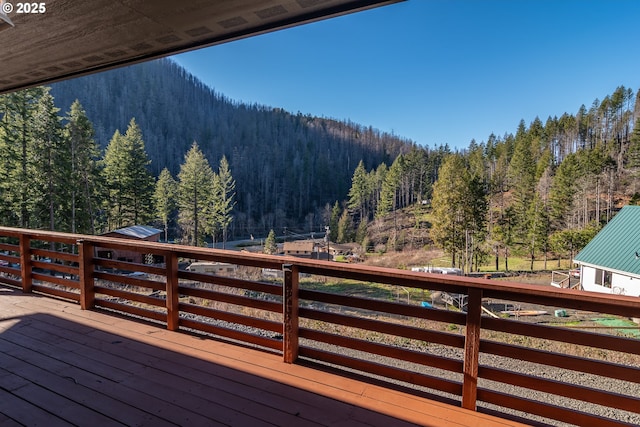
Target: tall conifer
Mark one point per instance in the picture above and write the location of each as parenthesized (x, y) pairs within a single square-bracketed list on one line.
[(195, 188)]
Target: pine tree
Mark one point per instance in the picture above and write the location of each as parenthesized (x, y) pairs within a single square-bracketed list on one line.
[(165, 199), (562, 192), (390, 186), (130, 185), (195, 189), (448, 206), (376, 179), (537, 226), (359, 192), (504, 232), (5, 167), (521, 176), (633, 155), (142, 182), (17, 110), (361, 232), (113, 174), (85, 183), (333, 222), (51, 162), (459, 211), (345, 228), (270, 244), (224, 198)]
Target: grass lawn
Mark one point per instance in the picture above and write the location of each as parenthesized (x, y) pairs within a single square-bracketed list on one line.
[(365, 289), (515, 264)]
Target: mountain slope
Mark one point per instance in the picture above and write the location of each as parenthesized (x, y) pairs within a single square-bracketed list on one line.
[(287, 167)]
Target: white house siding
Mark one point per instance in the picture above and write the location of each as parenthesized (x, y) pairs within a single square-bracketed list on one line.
[(588, 280), (628, 285), (620, 283)]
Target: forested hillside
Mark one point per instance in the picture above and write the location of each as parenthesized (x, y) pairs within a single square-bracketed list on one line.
[(541, 191), (287, 167), (205, 167), (92, 167)]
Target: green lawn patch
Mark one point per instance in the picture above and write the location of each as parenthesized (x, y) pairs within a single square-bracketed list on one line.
[(627, 326)]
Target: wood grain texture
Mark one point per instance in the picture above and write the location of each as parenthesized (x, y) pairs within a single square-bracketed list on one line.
[(60, 365)]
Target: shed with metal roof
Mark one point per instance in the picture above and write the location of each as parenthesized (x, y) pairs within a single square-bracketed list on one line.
[(140, 232), (134, 232), (610, 262)]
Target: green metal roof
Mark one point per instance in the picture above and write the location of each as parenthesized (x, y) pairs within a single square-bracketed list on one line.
[(616, 245)]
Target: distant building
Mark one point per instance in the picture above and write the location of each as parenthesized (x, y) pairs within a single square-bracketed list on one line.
[(610, 263), (439, 270), (217, 268), (136, 232), (301, 249)]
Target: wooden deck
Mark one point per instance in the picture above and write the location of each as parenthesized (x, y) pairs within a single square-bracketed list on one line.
[(60, 365)]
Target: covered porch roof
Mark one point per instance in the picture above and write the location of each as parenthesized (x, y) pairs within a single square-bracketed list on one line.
[(69, 38)]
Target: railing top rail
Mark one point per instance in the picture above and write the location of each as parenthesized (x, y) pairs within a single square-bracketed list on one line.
[(195, 252), (545, 295), (41, 234)]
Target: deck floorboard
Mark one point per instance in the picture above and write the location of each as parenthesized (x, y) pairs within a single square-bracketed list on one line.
[(60, 365)]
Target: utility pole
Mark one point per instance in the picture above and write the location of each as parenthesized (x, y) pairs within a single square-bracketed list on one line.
[(326, 239)]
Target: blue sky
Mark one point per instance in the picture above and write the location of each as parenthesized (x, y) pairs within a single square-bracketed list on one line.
[(436, 71)]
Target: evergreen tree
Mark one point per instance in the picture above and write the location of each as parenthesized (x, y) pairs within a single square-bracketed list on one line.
[(195, 189), (129, 184), (459, 211), (345, 228), (142, 181), (5, 167), (504, 233), (333, 223), (359, 192), (570, 241), (361, 232), (449, 204), (376, 178), (19, 196), (52, 163), (521, 176), (538, 232), (633, 155), (388, 195), (115, 182), (85, 184), (416, 185), (270, 244), (165, 199), (224, 198), (476, 226), (562, 192)]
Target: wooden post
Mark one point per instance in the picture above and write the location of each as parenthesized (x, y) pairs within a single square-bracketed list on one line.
[(25, 263), (87, 292), (472, 350), (290, 313), (173, 302)]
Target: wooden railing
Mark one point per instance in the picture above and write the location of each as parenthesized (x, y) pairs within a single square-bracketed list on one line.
[(514, 368)]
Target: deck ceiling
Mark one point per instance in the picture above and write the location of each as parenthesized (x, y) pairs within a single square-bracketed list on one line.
[(77, 37)]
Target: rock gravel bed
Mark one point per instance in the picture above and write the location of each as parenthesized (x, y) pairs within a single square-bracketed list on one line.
[(625, 388)]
